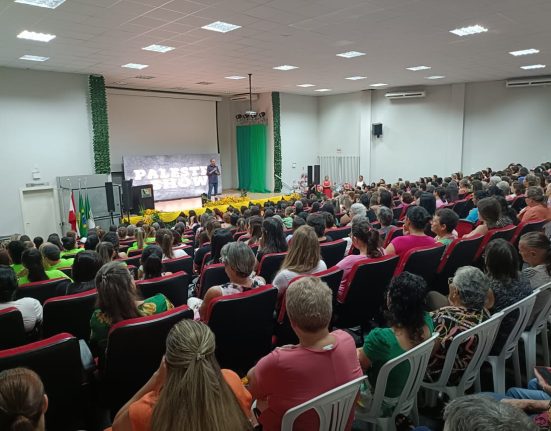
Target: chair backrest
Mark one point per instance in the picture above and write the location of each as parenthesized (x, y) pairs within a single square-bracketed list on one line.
[(134, 351), (184, 263), (417, 359), (334, 407), (13, 330), (519, 202), (132, 261), (462, 207), (340, 232), (333, 252), (174, 287), (254, 247), (392, 233), (485, 334), (57, 361), (269, 265), (505, 233), (68, 271), (43, 290), (212, 275), (525, 227), (135, 252), (206, 258), (397, 212), (69, 313), (237, 235), (243, 325), (539, 321), (333, 277), (464, 227), (364, 297), (422, 261), (243, 237)]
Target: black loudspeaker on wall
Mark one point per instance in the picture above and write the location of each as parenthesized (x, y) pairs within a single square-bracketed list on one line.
[(310, 175), (317, 179), (127, 195), (110, 197), (377, 129)]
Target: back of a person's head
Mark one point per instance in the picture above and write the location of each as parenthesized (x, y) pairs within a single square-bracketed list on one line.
[(489, 210), (539, 243), (536, 194), (68, 242), (50, 251), (22, 400), (362, 231), (106, 251), (273, 237), (447, 217), (165, 239), (418, 217), (152, 261), (501, 260), (304, 251), (357, 209), (15, 249), (239, 257), (193, 378), (113, 238), (385, 198), (220, 237), (32, 261), (472, 286), (298, 222), (122, 232), (385, 216), (309, 304), (85, 266), (38, 241), (8, 283), (91, 243), (54, 239), (428, 202), (116, 292), (317, 221), (481, 412)]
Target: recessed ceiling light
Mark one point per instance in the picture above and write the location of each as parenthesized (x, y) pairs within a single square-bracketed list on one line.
[(33, 58), (135, 66), (533, 66), (524, 52), (435, 77), (50, 4), (159, 48), (356, 78), (221, 27), (306, 85), (417, 68), (380, 84), (467, 31), (323, 90), (235, 77), (31, 35), (350, 54), (285, 67)]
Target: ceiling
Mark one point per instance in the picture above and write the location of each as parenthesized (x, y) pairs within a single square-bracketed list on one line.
[(98, 36)]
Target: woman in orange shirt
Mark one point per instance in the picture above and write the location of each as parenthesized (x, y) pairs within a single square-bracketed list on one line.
[(536, 206)]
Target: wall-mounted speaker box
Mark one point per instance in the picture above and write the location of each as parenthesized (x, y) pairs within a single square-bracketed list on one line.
[(377, 129)]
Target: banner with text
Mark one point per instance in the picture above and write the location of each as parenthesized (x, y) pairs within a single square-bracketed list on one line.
[(173, 177)]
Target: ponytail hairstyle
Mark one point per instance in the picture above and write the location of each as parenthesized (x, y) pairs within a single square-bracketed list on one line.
[(22, 400), (165, 239), (540, 241), (32, 260), (116, 292), (362, 231), (152, 262), (194, 379), (140, 238), (106, 251)]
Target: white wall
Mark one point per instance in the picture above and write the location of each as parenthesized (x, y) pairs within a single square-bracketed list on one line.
[(44, 123)]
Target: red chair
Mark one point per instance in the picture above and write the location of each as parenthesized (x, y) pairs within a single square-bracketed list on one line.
[(422, 261), (519, 202), (206, 258), (269, 265), (184, 263), (212, 275), (13, 330), (174, 287), (43, 290), (134, 351), (332, 277), (363, 300), (58, 363), (393, 232), (238, 235), (397, 212), (254, 247), (525, 227), (459, 253), (505, 233), (462, 207), (333, 252), (464, 227), (70, 313), (243, 325), (131, 261), (283, 331), (340, 232), (244, 237), (135, 252)]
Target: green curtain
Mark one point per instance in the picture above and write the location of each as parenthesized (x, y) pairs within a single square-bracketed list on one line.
[(251, 158)]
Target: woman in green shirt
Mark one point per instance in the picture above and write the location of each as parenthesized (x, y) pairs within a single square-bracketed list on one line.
[(117, 301), (409, 325), (34, 268)]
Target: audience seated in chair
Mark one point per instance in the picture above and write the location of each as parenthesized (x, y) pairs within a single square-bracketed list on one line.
[(317, 222), (15, 251), (536, 206), (356, 209), (273, 238), (51, 256), (189, 390), (535, 250), (220, 237), (34, 268), (489, 215), (443, 225), (322, 360), (85, 267), (164, 238), (473, 213), (151, 263), (386, 219), (70, 246), (113, 238), (414, 225)]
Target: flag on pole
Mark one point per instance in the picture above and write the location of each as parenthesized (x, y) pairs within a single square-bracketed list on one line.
[(82, 219), (72, 214), (89, 215)]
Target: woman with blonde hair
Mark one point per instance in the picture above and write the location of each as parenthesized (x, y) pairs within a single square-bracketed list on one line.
[(303, 258), (140, 240), (189, 390)]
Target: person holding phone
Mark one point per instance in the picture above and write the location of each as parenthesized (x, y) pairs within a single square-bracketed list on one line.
[(213, 172)]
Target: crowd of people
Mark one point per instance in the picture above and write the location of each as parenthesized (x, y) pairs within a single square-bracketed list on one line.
[(219, 399)]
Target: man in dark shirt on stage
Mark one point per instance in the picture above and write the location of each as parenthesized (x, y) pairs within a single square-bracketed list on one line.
[(213, 172)]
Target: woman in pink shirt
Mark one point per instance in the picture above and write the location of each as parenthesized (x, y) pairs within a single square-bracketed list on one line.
[(414, 229)]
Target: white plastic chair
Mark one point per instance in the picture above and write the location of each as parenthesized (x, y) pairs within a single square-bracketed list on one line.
[(333, 407), (485, 333), (529, 336), (406, 404), (523, 310)]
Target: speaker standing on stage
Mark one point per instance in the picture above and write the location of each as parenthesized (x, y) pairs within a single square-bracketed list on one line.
[(213, 172)]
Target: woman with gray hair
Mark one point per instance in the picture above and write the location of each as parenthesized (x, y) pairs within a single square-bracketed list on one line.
[(239, 262), (385, 217), (468, 294), (536, 206)]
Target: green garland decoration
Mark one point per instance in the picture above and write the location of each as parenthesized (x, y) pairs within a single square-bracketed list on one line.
[(277, 142), (100, 124)]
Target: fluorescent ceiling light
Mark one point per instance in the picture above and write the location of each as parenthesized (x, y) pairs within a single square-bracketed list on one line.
[(356, 78), (31, 35), (417, 68), (467, 31), (380, 84), (524, 52), (533, 66), (350, 54), (323, 90), (235, 77), (306, 85), (33, 58), (135, 66), (119, 83), (50, 4), (158, 48), (285, 67), (221, 27), (435, 77)]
